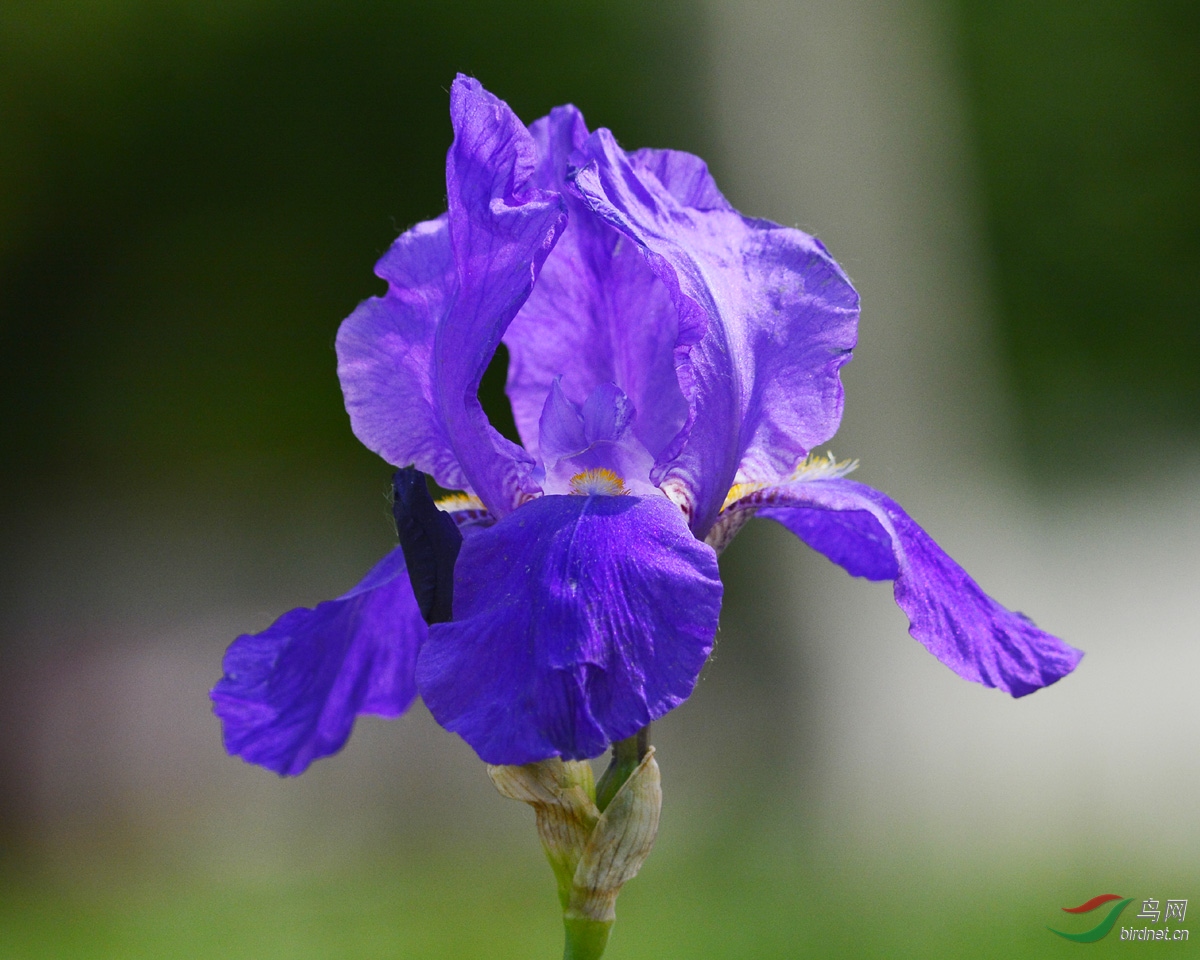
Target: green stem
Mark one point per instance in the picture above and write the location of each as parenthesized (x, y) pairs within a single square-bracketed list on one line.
[(626, 755), (586, 939)]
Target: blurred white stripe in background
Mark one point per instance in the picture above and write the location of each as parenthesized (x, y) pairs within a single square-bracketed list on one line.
[(846, 118)]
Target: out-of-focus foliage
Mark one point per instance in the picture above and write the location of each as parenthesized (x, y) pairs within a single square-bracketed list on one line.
[(752, 897), (1087, 125), (192, 195)]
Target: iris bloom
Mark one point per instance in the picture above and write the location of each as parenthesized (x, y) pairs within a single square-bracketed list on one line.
[(673, 364)]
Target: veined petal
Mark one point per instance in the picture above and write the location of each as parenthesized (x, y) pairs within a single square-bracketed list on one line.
[(597, 314), (870, 535), (290, 694), (771, 315), (577, 621), (385, 356), (410, 362), (684, 175), (560, 429), (502, 228)]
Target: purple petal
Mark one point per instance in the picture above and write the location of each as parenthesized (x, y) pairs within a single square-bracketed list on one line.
[(565, 430), (385, 356), (684, 175), (502, 228), (560, 429), (600, 437), (291, 693), (607, 414), (578, 620), (774, 316), (853, 539), (597, 314), (411, 362), (871, 536)]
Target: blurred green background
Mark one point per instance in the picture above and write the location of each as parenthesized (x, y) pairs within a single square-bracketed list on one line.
[(1086, 121), (192, 195)]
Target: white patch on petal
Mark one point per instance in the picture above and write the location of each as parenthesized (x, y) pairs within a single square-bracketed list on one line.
[(680, 494)]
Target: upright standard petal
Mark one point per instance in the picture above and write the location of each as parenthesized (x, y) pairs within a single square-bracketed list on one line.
[(385, 352), (290, 694), (684, 175), (577, 621), (774, 319), (502, 228), (869, 535), (597, 314), (410, 362)]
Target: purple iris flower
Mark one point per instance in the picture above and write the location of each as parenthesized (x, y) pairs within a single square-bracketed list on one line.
[(673, 365)]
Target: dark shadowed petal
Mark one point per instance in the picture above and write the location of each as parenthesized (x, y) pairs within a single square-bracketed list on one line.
[(291, 693), (597, 314), (502, 227), (871, 536), (774, 316), (578, 620), (430, 539)]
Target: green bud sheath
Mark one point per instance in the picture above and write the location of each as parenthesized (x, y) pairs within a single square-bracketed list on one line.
[(593, 853)]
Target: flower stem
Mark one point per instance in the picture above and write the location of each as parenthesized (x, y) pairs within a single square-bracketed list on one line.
[(586, 939), (626, 755)]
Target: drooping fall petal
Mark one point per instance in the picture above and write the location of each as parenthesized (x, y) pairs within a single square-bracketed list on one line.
[(291, 693), (870, 535), (577, 621)]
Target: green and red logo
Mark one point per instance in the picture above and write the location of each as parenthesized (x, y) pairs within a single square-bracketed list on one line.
[(1104, 926)]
